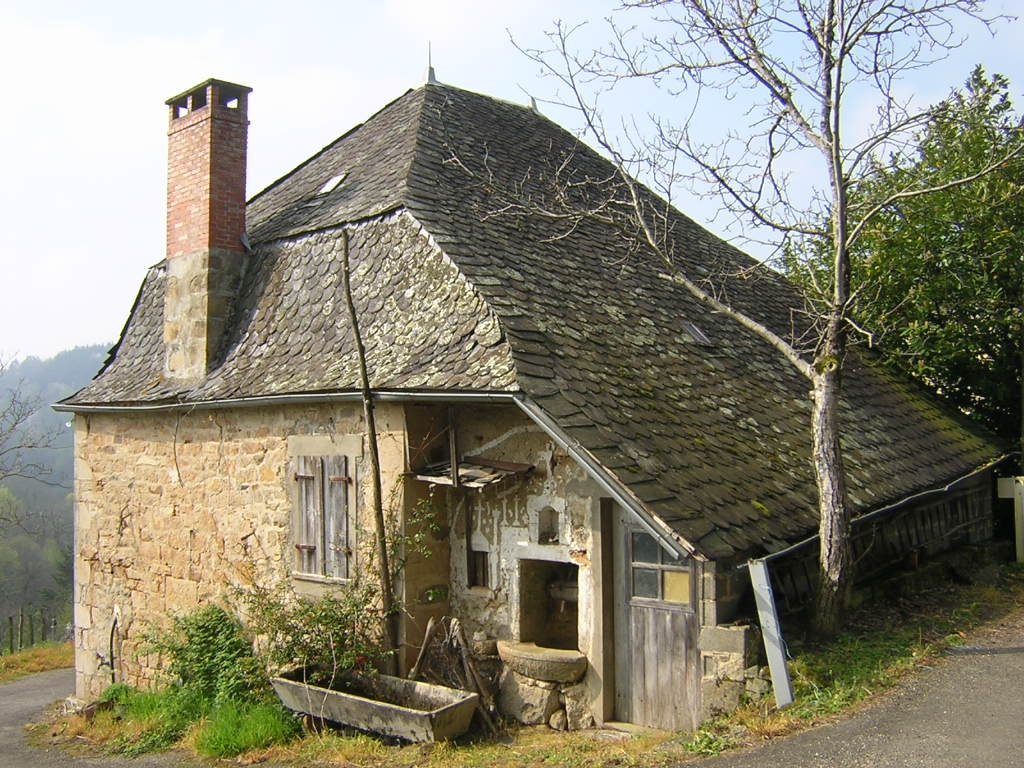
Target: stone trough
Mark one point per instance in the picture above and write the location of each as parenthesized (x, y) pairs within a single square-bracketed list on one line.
[(382, 704)]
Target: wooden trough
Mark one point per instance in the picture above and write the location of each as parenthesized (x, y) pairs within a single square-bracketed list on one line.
[(382, 704)]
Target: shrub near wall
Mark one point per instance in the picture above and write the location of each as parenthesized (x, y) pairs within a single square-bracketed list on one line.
[(217, 688)]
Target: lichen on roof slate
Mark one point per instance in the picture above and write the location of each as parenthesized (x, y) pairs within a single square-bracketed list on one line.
[(469, 276)]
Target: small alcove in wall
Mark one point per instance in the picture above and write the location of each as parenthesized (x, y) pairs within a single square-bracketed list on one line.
[(548, 598), (548, 523)]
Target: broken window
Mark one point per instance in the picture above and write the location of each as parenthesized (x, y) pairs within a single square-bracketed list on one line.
[(656, 574), (324, 492)]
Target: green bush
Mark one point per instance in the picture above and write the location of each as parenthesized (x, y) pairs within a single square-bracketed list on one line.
[(215, 679), (210, 654), (233, 727), (334, 632)]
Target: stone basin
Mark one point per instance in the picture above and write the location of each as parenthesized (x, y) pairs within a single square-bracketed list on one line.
[(555, 665)]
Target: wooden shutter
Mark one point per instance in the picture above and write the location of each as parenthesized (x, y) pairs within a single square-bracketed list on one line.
[(309, 524), (336, 495)]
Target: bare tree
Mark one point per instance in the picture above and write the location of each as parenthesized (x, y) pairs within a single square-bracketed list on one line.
[(798, 66), (21, 441)]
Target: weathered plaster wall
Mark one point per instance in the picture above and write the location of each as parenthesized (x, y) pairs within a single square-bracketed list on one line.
[(173, 510), (506, 524), (505, 517)]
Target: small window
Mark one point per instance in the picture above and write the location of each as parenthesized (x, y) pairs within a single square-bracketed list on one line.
[(695, 333), (479, 569), (547, 526), (656, 574), (331, 184), (324, 491)]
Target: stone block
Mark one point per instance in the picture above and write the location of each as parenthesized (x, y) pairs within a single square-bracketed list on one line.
[(729, 639), (757, 687), (720, 697), (577, 707), (729, 666), (558, 720), (528, 701)]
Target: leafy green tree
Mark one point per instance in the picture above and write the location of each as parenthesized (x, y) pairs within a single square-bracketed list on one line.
[(939, 279)]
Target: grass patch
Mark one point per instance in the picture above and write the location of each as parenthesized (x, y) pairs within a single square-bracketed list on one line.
[(533, 747), (152, 720), (233, 727), (40, 658)]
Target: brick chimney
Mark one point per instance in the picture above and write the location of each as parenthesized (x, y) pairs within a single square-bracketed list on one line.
[(206, 149)]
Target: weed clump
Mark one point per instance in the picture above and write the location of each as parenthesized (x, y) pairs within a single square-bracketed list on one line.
[(218, 690)]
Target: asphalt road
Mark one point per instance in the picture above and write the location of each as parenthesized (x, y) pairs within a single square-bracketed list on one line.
[(965, 712), (23, 700)]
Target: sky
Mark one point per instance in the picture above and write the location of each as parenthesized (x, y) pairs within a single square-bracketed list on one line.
[(83, 122)]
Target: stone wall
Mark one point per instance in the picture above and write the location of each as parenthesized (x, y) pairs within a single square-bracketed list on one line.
[(175, 509)]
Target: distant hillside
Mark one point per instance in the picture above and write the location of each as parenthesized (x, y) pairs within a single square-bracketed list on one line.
[(36, 515)]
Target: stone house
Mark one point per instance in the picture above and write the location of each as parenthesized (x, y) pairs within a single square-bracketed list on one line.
[(602, 449)]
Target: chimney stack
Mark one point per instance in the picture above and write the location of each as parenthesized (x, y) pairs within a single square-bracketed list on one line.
[(206, 156)]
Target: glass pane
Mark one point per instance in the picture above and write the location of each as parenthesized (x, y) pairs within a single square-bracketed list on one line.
[(671, 558), (645, 548), (645, 583), (677, 586)]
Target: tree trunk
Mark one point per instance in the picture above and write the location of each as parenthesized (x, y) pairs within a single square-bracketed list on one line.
[(834, 559), (387, 597)]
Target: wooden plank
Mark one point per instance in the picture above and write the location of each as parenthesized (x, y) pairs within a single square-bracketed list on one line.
[(508, 466), (453, 445), (336, 514), (310, 530), (1018, 517)]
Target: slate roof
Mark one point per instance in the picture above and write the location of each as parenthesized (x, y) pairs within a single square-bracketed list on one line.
[(470, 277)]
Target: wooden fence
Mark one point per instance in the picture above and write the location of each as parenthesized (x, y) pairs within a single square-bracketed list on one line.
[(898, 537), (26, 629)]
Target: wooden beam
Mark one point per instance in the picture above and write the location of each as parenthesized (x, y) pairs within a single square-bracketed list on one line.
[(453, 446)]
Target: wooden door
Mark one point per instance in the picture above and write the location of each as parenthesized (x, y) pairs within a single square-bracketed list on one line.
[(657, 673)]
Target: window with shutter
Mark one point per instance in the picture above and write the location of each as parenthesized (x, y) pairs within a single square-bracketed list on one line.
[(324, 488)]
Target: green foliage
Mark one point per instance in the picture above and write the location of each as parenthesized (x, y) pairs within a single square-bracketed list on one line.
[(708, 741), (217, 682), (941, 275), (163, 716), (233, 727), (336, 631), (210, 655)]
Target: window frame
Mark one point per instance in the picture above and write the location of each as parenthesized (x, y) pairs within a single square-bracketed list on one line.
[(682, 565)]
